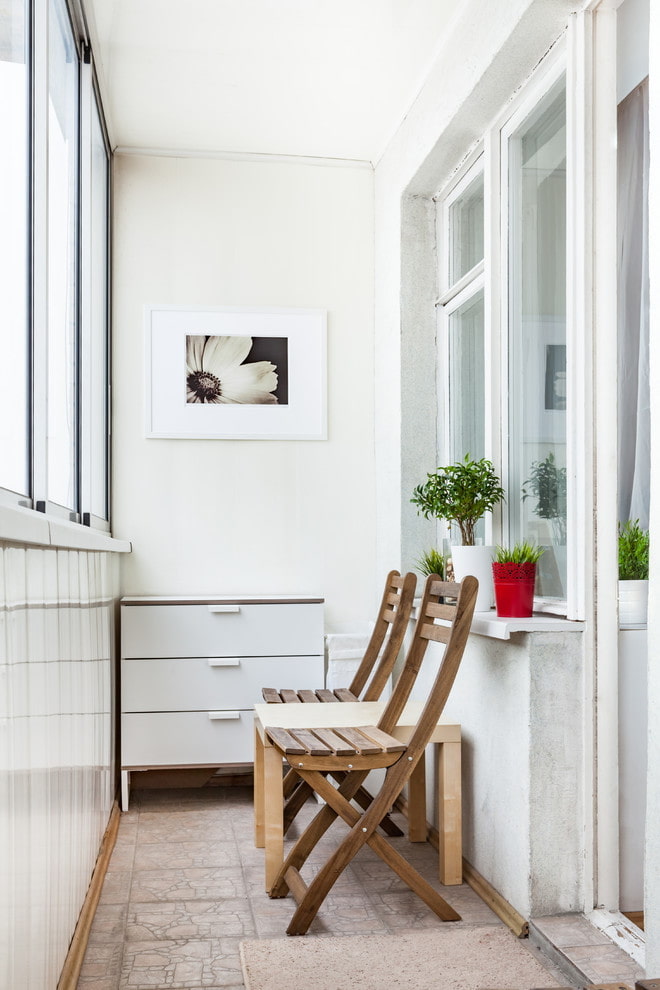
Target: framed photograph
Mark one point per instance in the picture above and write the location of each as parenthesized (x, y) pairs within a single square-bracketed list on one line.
[(236, 374)]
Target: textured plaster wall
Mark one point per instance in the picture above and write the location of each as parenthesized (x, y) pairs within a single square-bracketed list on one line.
[(227, 516), (520, 704)]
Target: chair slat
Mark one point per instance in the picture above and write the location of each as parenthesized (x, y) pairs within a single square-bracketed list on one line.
[(439, 610), (289, 697), (271, 696), (393, 598), (387, 743), (285, 741), (336, 743), (313, 745), (307, 696), (343, 694), (363, 744), (439, 634), (389, 615), (324, 695)]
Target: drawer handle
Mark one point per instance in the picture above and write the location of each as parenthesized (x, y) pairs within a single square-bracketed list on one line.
[(224, 661), (215, 716), (224, 608)]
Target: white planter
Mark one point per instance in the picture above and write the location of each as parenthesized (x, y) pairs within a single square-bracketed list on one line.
[(476, 561), (633, 603)]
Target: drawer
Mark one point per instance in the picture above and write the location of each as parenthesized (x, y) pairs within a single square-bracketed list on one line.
[(222, 629), (189, 683), (186, 738)]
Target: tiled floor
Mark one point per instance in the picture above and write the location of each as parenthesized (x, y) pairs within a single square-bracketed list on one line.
[(185, 887), (584, 951)]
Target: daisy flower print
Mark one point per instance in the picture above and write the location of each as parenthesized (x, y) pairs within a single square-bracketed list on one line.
[(236, 369)]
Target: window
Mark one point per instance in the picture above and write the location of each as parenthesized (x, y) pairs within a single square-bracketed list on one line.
[(461, 320), (62, 258), (536, 411), (502, 334), (54, 191), (14, 260)]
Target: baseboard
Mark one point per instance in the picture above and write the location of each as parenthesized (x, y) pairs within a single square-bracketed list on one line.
[(498, 905), (73, 963)]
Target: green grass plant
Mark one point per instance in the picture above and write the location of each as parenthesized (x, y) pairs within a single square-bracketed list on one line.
[(520, 553), (633, 552), (431, 562)]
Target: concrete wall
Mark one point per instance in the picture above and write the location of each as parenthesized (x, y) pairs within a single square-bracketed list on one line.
[(499, 697), (523, 798), (221, 516)]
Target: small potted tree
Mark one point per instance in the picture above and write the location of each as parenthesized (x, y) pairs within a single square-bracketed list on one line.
[(514, 574), (462, 493), (633, 573)]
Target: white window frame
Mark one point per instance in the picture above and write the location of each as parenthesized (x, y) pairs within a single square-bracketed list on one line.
[(491, 155), (37, 497)]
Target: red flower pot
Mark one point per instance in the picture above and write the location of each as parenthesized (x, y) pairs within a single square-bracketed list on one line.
[(514, 589)]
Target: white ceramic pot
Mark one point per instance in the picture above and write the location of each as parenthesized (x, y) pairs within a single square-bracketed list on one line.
[(476, 561), (633, 603)]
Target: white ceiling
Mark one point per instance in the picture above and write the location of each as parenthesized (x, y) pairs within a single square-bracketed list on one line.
[(329, 78)]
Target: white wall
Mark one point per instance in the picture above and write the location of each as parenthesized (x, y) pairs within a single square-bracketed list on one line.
[(507, 837), (249, 516)]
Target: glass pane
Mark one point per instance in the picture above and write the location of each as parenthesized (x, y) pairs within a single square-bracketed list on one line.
[(62, 226), (14, 271), (466, 379), (466, 230), (99, 320), (537, 338)]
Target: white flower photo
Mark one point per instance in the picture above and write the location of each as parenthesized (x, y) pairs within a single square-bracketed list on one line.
[(236, 369)]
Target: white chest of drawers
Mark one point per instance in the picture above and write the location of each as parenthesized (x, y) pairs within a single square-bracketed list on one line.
[(193, 668)]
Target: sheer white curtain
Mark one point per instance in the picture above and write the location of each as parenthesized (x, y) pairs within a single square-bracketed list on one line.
[(633, 315)]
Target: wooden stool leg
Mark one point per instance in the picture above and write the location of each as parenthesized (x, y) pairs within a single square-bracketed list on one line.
[(449, 813), (417, 830), (258, 791), (272, 813)]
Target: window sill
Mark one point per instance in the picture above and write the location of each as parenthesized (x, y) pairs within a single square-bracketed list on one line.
[(26, 526), (498, 627)]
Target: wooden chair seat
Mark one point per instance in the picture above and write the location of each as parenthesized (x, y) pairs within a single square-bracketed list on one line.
[(286, 696), (319, 757), (329, 749)]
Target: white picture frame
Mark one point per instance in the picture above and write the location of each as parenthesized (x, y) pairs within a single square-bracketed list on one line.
[(278, 395)]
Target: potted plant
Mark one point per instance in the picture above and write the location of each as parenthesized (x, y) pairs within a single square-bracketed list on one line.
[(462, 493), (514, 574), (431, 562), (633, 573)]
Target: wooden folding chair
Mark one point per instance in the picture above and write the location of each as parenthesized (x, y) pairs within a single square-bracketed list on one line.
[(349, 754), (368, 682), (380, 655)]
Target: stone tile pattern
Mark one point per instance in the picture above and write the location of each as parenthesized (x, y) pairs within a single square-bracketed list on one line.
[(185, 886), (585, 949)]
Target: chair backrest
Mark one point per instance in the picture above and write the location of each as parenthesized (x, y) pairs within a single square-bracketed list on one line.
[(387, 637), (444, 616)]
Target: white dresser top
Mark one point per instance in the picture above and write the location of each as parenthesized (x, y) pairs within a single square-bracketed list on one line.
[(221, 600)]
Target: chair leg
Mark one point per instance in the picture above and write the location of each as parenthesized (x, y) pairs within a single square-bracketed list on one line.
[(389, 827), (290, 782), (294, 803), (317, 827), (310, 898), (318, 889)]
